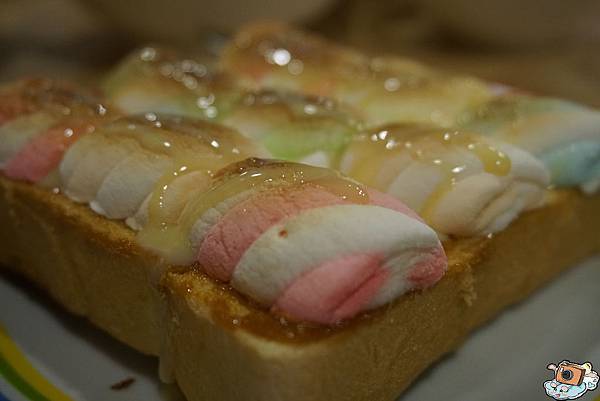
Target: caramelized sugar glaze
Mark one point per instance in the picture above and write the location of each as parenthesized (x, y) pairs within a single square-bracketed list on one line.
[(55, 97), (172, 237), (427, 144), (290, 125), (276, 55)]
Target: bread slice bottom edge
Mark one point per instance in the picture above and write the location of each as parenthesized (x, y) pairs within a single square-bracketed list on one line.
[(218, 347)]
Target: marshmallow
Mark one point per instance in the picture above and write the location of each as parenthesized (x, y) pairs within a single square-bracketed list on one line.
[(312, 255), (462, 184), (117, 169), (46, 118), (290, 126), (564, 135), (382, 90)]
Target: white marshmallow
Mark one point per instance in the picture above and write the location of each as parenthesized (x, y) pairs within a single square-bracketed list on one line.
[(127, 185), (341, 231), (87, 163)]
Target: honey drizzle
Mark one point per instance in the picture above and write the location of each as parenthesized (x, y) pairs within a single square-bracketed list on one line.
[(67, 107), (172, 239), (156, 206), (59, 99), (300, 61), (156, 233), (190, 147), (198, 84), (428, 145), (295, 106)]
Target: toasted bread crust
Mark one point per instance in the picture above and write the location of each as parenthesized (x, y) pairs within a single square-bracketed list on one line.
[(219, 346), (377, 356), (90, 265)]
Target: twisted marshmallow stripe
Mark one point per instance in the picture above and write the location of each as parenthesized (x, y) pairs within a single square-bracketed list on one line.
[(299, 250)]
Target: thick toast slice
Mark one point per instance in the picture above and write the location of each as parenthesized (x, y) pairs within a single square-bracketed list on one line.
[(219, 346)]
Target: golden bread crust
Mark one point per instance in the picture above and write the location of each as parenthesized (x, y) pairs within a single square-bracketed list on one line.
[(219, 346)]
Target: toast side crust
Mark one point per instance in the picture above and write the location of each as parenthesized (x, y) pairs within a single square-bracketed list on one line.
[(89, 264), (377, 356), (219, 346)]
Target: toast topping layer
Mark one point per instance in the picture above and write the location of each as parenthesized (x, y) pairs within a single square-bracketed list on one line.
[(564, 135), (165, 177), (39, 120), (303, 241), (383, 90), (460, 183), (246, 177), (320, 131), (291, 126)]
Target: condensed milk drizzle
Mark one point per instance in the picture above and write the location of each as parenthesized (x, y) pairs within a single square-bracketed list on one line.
[(427, 145), (190, 147), (252, 174)]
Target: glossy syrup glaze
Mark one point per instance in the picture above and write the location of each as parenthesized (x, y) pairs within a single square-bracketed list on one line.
[(507, 113), (41, 119), (293, 126), (428, 145), (303, 61), (54, 97), (168, 82), (156, 79), (172, 238), (277, 49), (297, 105), (68, 111), (189, 146)]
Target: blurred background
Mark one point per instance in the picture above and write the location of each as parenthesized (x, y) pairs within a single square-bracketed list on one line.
[(550, 47)]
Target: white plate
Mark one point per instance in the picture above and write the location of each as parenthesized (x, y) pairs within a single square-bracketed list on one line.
[(63, 358)]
